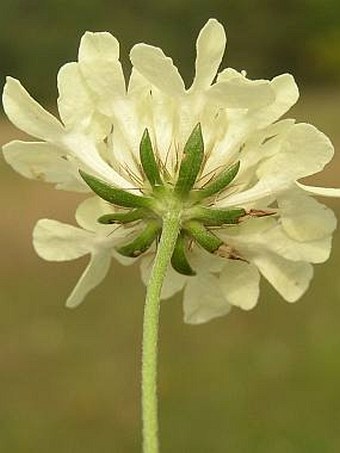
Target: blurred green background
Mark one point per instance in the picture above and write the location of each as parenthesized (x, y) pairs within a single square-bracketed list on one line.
[(267, 381)]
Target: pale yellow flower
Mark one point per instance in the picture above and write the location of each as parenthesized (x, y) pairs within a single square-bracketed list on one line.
[(279, 229)]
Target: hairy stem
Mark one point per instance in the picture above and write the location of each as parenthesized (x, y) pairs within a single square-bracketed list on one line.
[(165, 249)]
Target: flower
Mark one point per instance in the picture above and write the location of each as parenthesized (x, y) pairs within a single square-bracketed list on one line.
[(217, 152), (56, 241)]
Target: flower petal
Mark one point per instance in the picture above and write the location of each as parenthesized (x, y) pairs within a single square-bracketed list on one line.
[(303, 218), (138, 86), (263, 189), (56, 241), (93, 275), (241, 93), (239, 282), (100, 66), (257, 236), (290, 279), (86, 152), (203, 299), (157, 68), (44, 162), (286, 95), (27, 114), (77, 105), (305, 151), (316, 251), (210, 47), (322, 191), (90, 210), (125, 138)]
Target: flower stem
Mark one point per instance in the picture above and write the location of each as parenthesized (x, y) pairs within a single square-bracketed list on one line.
[(171, 222)]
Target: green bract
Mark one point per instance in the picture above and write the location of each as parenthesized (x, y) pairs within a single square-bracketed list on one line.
[(162, 197), (191, 163), (221, 182), (113, 195), (179, 260), (148, 161), (143, 241)]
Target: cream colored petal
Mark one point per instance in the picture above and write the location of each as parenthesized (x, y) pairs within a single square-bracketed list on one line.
[(263, 189), (75, 102), (322, 191), (138, 85), (98, 46), (241, 93), (56, 241), (303, 218), (126, 135), (203, 300), (239, 282), (77, 105), (93, 275), (86, 152), (316, 251), (263, 144), (90, 210), (164, 127), (252, 229), (44, 162), (123, 260), (101, 69), (173, 283), (210, 47), (27, 114), (87, 215), (286, 95), (257, 236), (229, 73), (290, 279), (157, 68), (203, 262), (305, 151)]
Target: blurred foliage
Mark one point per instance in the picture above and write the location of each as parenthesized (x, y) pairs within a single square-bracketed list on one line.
[(266, 37)]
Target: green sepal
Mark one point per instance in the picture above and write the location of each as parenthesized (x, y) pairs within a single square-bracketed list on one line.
[(190, 167), (202, 236), (123, 217), (179, 260), (148, 161), (217, 217), (113, 195), (219, 183), (142, 242)]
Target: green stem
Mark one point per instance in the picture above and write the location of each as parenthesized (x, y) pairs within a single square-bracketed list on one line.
[(165, 249)]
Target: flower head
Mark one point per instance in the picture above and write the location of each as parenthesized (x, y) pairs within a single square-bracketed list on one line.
[(216, 152)]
